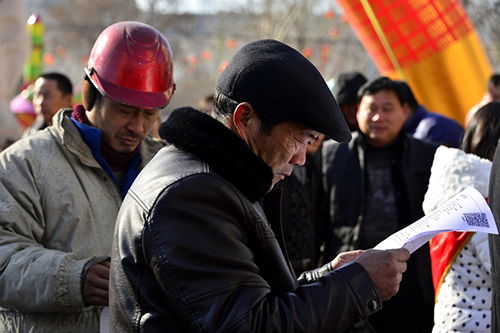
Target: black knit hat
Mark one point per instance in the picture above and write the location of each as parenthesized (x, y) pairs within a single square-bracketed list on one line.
[(346, 87), (277, 79)]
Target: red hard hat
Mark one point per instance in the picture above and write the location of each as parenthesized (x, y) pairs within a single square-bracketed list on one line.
[(131, 63)]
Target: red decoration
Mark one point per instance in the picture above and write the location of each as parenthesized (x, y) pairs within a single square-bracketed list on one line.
[(329, 15), (307, 52), (48, 59), (230, 43), (333, 32), (192, 60), (223, 66), (206, 55)]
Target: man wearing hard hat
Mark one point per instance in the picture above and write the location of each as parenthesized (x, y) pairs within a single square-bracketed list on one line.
[(61, 188)]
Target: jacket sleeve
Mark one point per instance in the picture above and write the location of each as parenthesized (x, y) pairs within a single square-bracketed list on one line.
[(197, 245), (32, 278), (441, 131), (494, 242), (481, 243)]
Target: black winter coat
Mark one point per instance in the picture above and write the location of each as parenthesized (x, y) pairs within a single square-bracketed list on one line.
[(198, 248)]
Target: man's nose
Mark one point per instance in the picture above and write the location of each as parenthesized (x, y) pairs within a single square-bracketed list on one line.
[(299, 158), (136, 123), (376, 116)]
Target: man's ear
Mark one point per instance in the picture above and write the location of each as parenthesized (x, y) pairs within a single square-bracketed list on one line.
[(89, 94), (68, 99), (243, 115)]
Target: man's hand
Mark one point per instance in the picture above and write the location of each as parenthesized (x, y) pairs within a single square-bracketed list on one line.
[(386, 268), (96, 284)]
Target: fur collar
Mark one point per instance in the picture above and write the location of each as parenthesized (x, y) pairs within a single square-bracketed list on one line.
[(203, 136)]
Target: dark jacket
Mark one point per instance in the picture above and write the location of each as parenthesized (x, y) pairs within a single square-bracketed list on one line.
[(344, 182), (301, 201), (198, 248), (430, 126), (494, 242)]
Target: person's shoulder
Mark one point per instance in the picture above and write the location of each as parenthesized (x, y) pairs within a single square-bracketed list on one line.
[(173, 175), (178, 162), (436, 119), (169, 166), (34, 144), (421, 145), (33, 128), (150, 146), (154, 142), (344, 152), (330, 149), (32, 155)]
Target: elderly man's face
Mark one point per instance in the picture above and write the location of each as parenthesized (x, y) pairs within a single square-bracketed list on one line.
[(381, 117), (123, 127), (285, 147)]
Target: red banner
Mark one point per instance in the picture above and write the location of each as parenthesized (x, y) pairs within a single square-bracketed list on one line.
[(431, 44)]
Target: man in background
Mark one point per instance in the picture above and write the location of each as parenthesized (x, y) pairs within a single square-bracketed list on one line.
[(62, 187), (345, 91), (375, 185), (51, 92)]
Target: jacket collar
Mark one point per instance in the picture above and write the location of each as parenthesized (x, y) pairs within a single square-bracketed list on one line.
[(203, 136), (397, 146)]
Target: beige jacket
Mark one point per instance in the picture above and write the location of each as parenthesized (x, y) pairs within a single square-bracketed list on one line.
[(57, 213)]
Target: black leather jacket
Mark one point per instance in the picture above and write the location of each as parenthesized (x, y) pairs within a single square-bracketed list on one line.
[(198, 248)]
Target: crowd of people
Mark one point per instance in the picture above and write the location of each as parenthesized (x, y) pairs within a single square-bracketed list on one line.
[(256, 211)]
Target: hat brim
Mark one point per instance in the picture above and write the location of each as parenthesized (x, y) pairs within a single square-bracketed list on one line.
[(132, 97)]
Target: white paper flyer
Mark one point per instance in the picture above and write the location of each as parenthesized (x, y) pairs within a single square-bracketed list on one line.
[(466, 211)]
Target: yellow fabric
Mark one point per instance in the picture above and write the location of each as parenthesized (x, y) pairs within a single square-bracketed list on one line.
[(454, 80)]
